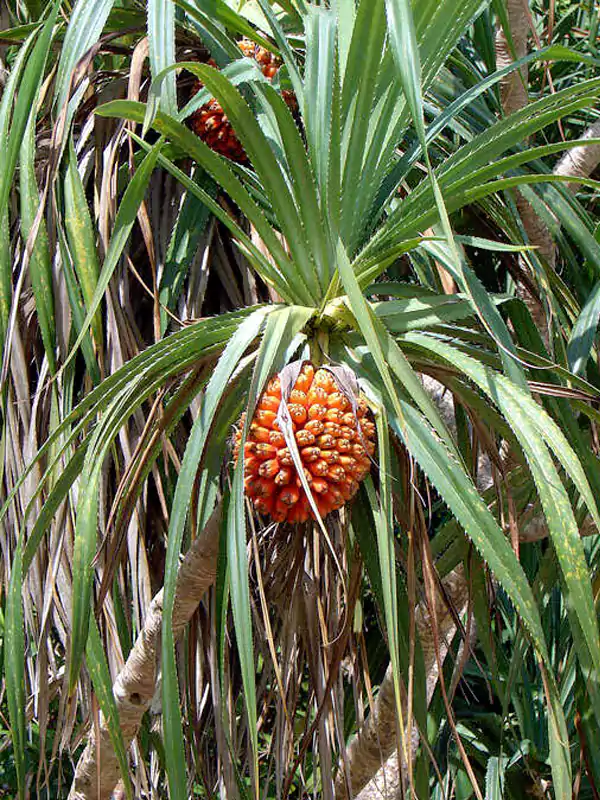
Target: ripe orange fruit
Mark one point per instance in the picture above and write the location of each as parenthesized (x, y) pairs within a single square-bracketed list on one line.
[(210, 122), (268, 62), (334, 443)]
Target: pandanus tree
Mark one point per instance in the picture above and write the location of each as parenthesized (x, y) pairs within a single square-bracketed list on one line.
[(319, 483)]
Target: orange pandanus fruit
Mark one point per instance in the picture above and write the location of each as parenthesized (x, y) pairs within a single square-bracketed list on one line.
[(334, 437), (210, 122)]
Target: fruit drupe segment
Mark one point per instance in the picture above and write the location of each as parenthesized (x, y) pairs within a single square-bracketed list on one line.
[(334, 442), (210, 122)]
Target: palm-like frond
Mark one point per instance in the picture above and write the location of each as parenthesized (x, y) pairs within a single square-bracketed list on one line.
[(321, 244)]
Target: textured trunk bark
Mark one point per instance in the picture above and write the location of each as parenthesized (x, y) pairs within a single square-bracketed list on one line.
[(513, 88), (513, 93), (581, 161), (135, 684)]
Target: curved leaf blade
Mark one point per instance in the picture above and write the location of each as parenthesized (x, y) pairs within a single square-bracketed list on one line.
[(583, 334), (173, 735), (161, 49)]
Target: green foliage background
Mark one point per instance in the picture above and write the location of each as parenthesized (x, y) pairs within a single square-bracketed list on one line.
[(150, 287)]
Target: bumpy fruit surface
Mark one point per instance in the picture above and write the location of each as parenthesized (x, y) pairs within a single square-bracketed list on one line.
[(268, 62), (210, 122), (334, 443)]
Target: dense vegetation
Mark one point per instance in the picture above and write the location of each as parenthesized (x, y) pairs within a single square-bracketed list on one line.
[(402, 194)]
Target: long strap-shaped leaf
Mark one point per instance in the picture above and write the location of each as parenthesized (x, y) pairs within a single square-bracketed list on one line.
[(218, 168), (386, 354), (459, 493), (85, 542), (514, 129), (161, 49), (269, 273), (537, 432), (292, 319), (395, 175), (126, 216), (101, 679), (438, 27), (286, 51), (189, 228), (173, 734), (356, 108), (404, 47), (474, 183), (384, 527), (14, 665), (485, 148), (265, 164), (6, 107), (40, 268), (155, 365), (300, 176), (452, 481), (319, 94), (584, 331), (127, 401), (28, 88), (500, 389), (379, 346), (85, 26), (80, 235), (418, 200), (118, 408), (211, 11), (419, 312), (558, 204), (280, 330)]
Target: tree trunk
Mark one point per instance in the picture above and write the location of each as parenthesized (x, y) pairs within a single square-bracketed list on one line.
[(513, 94), (513, 87), (135, 684), (582, 160)]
